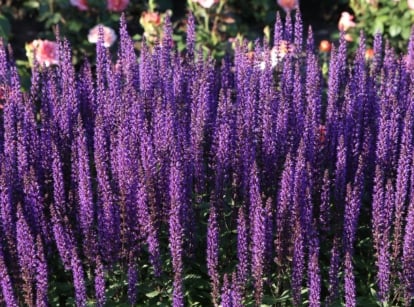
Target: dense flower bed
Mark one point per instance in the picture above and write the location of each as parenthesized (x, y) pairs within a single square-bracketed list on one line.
[(176, 181)]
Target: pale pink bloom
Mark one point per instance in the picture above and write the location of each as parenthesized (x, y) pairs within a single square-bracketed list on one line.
[(80, 4), (346, 22), (207, 3), (109, 36), (45, 52), (117, 5), (410, 4), (288, 5)]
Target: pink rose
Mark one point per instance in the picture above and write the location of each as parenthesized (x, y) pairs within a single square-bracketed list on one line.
[(117, 5), (45, 52), (410, 4), (207, 3), (80, 4), (108, 33), (288, 5), (346, 22)]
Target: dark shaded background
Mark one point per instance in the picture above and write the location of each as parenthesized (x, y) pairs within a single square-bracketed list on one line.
[(251, 15)]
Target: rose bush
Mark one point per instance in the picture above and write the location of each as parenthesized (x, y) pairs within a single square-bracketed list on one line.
[(392, 19)]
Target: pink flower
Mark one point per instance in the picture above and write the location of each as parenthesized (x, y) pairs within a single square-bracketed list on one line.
[(325, 46), (288, 5), (410, 4), (346, 22), (206, 3), (369, 54), (80, 4), (117, 5), (108, 33), (151, 18), (45, 52)]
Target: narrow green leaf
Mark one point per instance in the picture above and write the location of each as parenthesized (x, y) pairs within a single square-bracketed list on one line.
[(152, 294)]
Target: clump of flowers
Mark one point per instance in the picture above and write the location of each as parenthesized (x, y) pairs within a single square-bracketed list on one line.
[(179, 180)]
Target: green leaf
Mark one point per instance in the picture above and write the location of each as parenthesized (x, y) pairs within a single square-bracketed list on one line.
[(192, 276), (405, 33), (373, 292), (31, 4), (378, 27), (395, 30), (152, 294), (137, 37), (4, 26)]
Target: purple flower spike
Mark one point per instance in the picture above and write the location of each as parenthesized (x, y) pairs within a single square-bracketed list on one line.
[(99, 283), (213, 253), (242, 249), (78, 280), (298, 263), (41, 274), (86, 205), (298, 40), (191, 36), (132, 283), (226, 293), (258, 248), (177, 201), (27, 255), (333, 289), (5, 283), (7, 210), (284, 212), (350, 287), (314, 276), (383, 260)]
